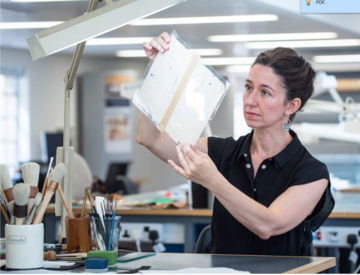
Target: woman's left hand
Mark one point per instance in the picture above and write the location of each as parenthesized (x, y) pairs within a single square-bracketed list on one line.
[(196, 165)]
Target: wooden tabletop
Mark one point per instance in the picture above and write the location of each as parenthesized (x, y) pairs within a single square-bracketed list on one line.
[(347, 206)]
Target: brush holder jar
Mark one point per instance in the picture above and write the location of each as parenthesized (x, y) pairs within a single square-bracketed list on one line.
[(106, 232), (24, 246), (78, 234)]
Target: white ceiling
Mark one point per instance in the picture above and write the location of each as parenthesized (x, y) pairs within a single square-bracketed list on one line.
[(290, 20)]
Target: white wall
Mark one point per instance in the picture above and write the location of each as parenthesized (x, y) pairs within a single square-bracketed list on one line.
[(46, 90)]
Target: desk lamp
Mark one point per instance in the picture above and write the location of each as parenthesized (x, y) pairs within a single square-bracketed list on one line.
[(349, 117), (78, 30)]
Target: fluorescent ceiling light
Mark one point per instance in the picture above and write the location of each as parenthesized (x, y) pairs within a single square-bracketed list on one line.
[(238, 69), (95, 23), (141, 53), (228, 60), (336, 58), (29, 25), (206, 20), (272, 36), (117, 41), (304, 44)]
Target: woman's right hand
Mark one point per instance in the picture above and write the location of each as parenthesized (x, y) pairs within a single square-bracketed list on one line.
[(157, 44)]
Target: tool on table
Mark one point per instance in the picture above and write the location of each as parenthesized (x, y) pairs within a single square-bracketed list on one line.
[(46, 178), (54, 179), (30, 172), (6, 183), (21, 194), (37, 201)]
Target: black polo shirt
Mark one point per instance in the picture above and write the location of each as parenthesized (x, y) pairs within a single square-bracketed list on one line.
[(292, 166)]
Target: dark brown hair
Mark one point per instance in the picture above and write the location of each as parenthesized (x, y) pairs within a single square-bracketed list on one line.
[(296, 73)]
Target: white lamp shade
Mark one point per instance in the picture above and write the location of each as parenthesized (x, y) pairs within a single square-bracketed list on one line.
[(95, 23)]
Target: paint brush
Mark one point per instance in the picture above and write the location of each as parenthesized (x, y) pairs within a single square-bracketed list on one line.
[(6, 183), (3, 211), (66, 205), (37, 201), (10, 206), (54, 179), (83, 207), (46, 178), (21, 194), (30, 172)]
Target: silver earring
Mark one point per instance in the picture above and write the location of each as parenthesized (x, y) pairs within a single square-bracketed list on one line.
[(287, 125)]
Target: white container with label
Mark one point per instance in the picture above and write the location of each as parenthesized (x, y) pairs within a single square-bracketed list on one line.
[(24, 246)]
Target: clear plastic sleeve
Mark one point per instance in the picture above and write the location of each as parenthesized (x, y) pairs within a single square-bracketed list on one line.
[(179, 94)]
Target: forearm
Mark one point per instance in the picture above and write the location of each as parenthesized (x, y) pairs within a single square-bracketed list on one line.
[(253, 215), (146, 132)]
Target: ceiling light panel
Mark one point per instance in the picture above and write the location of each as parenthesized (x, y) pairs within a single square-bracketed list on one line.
[(272, 37), (206, 20), (336, 58), (305, 44)]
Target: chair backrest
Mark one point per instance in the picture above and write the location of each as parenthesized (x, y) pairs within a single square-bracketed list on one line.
[(117, 182), (203, 244)]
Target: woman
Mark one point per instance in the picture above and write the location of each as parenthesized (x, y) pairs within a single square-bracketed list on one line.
[(269, 191)]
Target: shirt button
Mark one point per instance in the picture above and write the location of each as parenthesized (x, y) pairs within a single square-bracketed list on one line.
[(248, 166), (254, 189), (263, 166), (245, 155), (269, 158)]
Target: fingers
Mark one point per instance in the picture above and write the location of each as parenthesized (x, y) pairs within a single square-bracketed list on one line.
[(147, 46), (177, 169), (189, 151), (166, 37), (182, 158), (161, 42)]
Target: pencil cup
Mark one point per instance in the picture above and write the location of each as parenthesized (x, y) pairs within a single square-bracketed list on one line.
[(78, 234), (24, 246), (105, 231)]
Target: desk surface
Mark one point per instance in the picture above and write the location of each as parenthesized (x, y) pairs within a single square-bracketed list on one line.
[(253, 264), (347, 206)]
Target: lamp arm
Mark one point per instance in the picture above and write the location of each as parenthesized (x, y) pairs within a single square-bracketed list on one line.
[(69, 78), (70, 73)]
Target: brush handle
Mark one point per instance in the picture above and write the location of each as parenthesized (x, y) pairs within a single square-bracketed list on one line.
[(19, 221), (30, 205), (4, 213), (31, 215), (83, 208), (4, 197), (42, 207), (44, 186), (66, 205)]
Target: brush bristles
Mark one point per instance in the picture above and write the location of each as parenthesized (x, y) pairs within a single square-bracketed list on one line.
[(38, 199), (58, 173), (117, 196), (21, 194), (30, 172), (5, 177)]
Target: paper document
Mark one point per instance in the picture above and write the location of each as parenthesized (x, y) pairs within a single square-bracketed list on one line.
[(200, 88)]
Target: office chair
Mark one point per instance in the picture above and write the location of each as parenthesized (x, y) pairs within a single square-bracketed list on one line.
[(203, 244), (117, 182)]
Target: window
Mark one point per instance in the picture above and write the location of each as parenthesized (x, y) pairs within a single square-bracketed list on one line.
[(10, 125)]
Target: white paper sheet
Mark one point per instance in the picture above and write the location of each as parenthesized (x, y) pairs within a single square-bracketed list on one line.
[(199, 99)]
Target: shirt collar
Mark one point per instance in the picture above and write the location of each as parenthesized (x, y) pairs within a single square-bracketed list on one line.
[(281, 158), (245, 148)]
